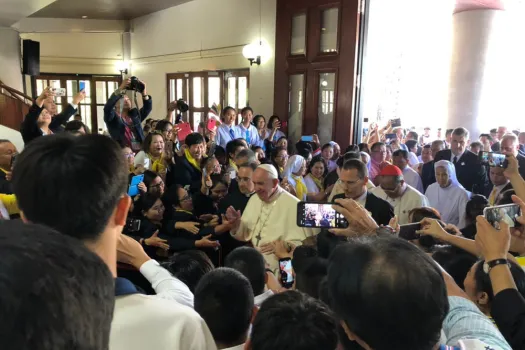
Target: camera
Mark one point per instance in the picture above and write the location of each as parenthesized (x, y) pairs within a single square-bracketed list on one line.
[(136, 85), (132, 226), (182, 106)]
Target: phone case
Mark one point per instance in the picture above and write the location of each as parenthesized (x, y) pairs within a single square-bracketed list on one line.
[(184, 131), (211, 124), (307, 138)]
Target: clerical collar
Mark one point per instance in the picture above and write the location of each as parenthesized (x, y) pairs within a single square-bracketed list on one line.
[(249, 194)]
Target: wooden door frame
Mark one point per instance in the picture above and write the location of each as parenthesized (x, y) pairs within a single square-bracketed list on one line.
[(314, 61)]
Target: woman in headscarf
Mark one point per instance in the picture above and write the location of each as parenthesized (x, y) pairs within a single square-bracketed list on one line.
[(447, 195), (293, 174)]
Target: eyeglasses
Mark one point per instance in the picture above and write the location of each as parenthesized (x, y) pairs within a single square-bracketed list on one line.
[(160, 184), (129, 155)]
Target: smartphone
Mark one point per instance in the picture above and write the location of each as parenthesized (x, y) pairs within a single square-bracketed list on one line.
[(390, 137), (59, 92), (184, 131), (409, 231), (307, 138), (132, 225), (284, 124), (395, 122), (319, 215), (286, 272), (212, 123), (134, 185), (493, 159), (81, 86), (507, 213)]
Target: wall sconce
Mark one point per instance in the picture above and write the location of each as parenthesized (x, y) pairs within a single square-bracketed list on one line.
[(256, 53), (122, 67)]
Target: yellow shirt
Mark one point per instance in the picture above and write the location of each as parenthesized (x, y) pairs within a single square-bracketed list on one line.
[(9, 202)]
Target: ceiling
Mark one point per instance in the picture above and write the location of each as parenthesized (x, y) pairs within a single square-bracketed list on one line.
[(11, 11), (104, 9)]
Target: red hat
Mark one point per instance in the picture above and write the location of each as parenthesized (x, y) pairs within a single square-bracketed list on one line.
[(391, 170)]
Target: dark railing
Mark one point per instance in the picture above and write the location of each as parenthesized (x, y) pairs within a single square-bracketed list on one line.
[(14, 105)]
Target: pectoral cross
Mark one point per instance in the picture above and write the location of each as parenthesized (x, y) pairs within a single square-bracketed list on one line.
[(258, 238)]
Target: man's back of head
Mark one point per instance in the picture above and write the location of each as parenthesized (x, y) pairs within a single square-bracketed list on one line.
[(292, 320), (54, 293), (72, 184), (380, 297), (251, 264), (224, 299)]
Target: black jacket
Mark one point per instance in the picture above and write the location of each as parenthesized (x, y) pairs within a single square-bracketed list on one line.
[(380, 209), (178, 239), (29, 128), (508, 311), (521, 163), (115, 124), (5, 186), (488, 191), (469, 170), (237, 200), (184, 174)]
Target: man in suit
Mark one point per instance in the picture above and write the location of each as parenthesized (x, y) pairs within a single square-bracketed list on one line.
[(470, 172), (510, 145), (496, 146), (354, 177), (499, 184)]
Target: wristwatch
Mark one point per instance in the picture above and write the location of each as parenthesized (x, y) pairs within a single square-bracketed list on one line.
[(487, 266)]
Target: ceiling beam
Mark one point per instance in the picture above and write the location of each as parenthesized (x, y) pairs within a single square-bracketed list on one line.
[(63, 25)]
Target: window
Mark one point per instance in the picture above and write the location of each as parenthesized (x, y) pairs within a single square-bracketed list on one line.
[(98, 90), (202, 90)]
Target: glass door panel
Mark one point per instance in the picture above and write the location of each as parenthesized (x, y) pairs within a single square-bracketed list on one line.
[(295, 107), (325, 113)]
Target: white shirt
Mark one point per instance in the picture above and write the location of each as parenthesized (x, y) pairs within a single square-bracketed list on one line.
[(250, 134), (413, 179), (238, 347), (458, 157), (223, 135), (142, 159), (410, 199), (165, 285), (412, 159), (148, 322), (259, 299)]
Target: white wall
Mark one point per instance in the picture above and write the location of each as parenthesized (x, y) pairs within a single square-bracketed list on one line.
[(10, 65), (204, 35), (83, 53)]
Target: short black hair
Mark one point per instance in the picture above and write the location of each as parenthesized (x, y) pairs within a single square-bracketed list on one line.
[(326, 145), (72, 184), (414, 135), (232, 146), (272, 119), (75, 125), (488, 136), (358, 165), (252, 166), (410, 143), (461, 132), (194, 139), (149, 177), (145, 202), (476, 144), (347, 156), (308, 278), (162, 124), (293, 320), (189, 266), (483, 283), (255, 119), (246, 109), (250, 262), (369, 283), (376, 145), (400, 153), (352, 148), (449, 132), (58, 294), (455, 261), (225, 300)]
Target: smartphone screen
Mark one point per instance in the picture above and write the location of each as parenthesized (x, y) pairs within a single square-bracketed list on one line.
[(59, 92), (307, 138), (493, 159), (284, 124), (285, 268), (507, 213), (390, 137), (316, 215), (409, 231), (396, 122), (81, 86)]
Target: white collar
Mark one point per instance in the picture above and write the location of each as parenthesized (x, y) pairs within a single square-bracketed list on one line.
[(238, 347), (259, 299), (500, 187), (458, 156)]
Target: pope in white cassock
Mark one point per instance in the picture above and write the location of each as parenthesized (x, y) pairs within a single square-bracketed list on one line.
[(269, 216)]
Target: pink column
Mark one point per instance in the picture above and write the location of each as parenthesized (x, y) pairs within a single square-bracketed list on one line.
[(474, 22)]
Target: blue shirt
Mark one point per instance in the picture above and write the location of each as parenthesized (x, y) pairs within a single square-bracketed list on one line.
[(250, 134), (224, 136)]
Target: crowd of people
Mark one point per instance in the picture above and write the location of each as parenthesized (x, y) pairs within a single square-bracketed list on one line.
[(149, 239)]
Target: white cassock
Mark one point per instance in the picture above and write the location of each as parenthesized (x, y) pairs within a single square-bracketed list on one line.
[(413, 179), (410, 199), (263, 222)]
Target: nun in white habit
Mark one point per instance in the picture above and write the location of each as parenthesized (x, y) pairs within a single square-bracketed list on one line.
[(293, 172), (447, 195)]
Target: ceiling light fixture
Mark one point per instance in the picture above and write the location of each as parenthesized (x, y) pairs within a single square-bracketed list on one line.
[(122, 67)]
